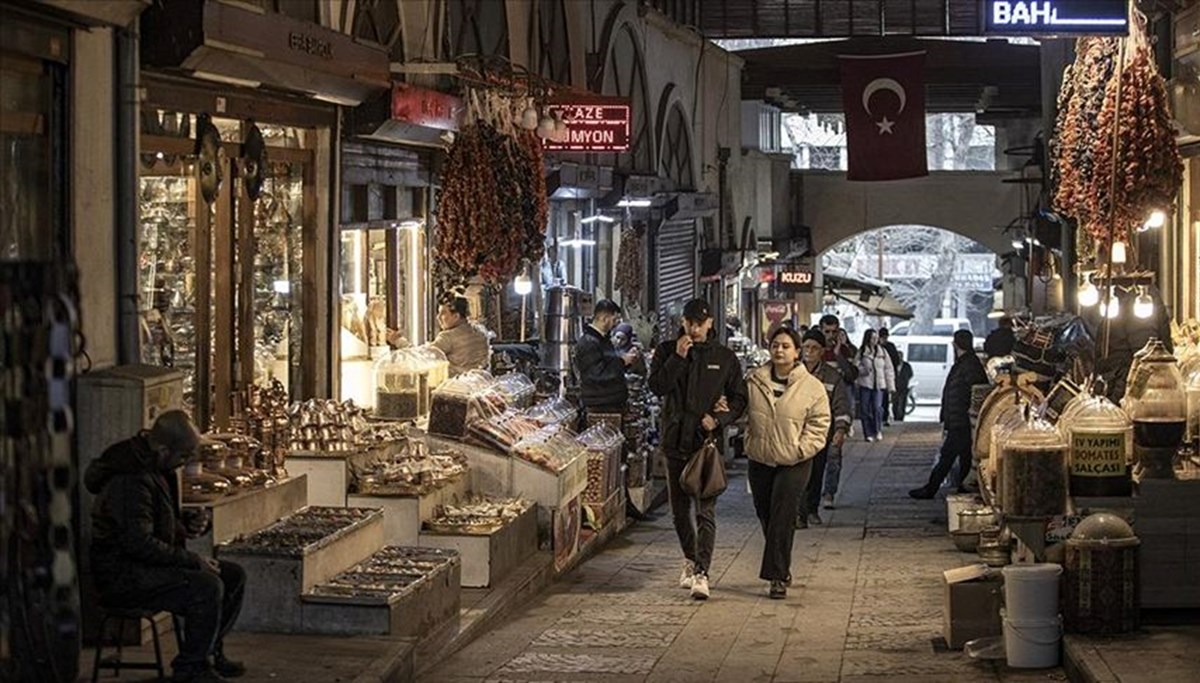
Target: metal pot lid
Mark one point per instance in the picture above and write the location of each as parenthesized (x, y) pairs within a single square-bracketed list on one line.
[(1103, 528)]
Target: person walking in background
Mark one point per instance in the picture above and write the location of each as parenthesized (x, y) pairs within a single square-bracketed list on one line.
[(966, 372), (894, 354), (839, 357), (700, 381), (1001, 340), (788, 426), (813, 354), (875, 376), (904, 374)]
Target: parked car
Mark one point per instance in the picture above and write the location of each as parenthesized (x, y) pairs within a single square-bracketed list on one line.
[(942, 327), (931, 357)]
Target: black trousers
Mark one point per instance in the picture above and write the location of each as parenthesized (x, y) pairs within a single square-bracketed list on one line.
[(956, 445), (696, 538), (209, 605), (810, 501), (887, 406), (899, 404), (776, 492)]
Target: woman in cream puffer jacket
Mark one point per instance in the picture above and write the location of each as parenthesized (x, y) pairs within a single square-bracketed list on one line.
[(788, 425)]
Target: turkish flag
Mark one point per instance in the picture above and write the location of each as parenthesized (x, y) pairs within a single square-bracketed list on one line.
[(884, 100)]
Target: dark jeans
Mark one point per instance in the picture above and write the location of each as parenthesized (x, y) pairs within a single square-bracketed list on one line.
[(209, 605), (870, 409), (810, 502), (899, 404), (833, 469), (886, 413), (696, 538), (776, 492), (956, 445)]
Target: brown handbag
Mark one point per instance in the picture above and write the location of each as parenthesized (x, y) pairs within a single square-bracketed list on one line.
[(704, 475)]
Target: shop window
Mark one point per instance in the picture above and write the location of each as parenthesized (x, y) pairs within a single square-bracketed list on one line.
[(477, 27), (31, 227), (555, 47), (625, 76)]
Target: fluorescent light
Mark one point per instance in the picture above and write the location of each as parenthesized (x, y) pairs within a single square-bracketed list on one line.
[(409, 224), (995, 314), (598, 217), (634, 203), (231, 80), (577, 243)]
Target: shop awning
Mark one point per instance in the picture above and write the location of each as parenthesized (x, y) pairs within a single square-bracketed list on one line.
[(579, 181), (238, 44), (106, 12), (869, 294)]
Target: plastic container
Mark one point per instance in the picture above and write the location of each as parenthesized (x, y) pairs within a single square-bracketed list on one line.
[(1033, 472), (1032, 644), (1156, 400), (1031, 591), (462, 400), (1100, 436), (517, 389)]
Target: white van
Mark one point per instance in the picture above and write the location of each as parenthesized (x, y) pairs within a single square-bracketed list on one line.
[(942, 327), (931, 358)]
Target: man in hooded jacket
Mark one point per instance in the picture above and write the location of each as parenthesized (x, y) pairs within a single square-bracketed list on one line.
[(137, 552), (813, 350)]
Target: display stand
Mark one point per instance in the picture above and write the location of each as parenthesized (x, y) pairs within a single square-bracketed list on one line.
[(1167, 520), (329, 474), (248, 511), (403, 514), (548, 489), (490, 472), (279, 572), (488, 557)]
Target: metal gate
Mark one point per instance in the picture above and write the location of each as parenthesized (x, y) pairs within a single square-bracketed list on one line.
[(674, 271)]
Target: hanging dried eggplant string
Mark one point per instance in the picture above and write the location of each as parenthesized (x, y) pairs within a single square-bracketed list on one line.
[(1112, 216)]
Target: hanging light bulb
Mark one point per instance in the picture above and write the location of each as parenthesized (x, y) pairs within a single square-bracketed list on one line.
[(1088, 295), (1111, 308), (1118, 252), (1143, 306), (522, 284), (1157, 219), (529, 118), (545, 127)]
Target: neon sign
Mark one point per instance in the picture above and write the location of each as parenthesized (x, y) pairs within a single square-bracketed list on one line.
[(594, 124), (1056, 17)]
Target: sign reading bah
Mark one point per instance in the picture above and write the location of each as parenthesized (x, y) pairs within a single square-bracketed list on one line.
[(594, 124), (1056, 17)]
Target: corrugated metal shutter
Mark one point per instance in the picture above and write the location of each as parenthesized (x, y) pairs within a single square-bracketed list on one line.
[(674, 268)]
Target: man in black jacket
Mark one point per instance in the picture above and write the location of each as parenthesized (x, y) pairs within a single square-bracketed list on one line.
[(966, 372), (600, 368), (137, 551), (1001, 340), (703, 391)]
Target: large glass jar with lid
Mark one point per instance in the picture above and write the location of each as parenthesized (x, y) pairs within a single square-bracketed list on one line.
[(1011, 417), (398, 379), (1157, 402), (1191, 380), (1100, 437), (1033, 472), (435, 369)]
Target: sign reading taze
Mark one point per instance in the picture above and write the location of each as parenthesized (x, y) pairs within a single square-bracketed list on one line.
[(594, 124), (1056, 17)]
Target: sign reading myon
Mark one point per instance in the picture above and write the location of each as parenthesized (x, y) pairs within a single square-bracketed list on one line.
[(1056, 17), (594, 124)]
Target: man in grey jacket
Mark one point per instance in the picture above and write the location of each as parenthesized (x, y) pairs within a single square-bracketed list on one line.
[(466, 347), (813, 348)]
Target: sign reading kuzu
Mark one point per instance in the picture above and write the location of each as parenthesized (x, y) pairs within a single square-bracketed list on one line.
[(594, 124), (795, 280), (1056, 17)]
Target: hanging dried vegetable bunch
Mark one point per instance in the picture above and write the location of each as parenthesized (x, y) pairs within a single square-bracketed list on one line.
[(1112, 167), (493, 210), (631, 264)]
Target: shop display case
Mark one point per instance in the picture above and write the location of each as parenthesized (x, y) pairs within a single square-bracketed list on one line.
[(401, 385), (553, 411), (603, 444), (518, 389), (504, 431), (1100, 437), (1033, 472), (461, 400), (493, 537)]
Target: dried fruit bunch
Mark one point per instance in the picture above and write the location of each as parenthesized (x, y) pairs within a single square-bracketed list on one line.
[(631, 264)]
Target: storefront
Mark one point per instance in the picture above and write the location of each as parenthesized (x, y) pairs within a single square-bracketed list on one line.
[(235, 196)]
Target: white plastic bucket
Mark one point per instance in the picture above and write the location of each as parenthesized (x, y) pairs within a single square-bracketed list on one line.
[(1032, 644), (1031, 591)]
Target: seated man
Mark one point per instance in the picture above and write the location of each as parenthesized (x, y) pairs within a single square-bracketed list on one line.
[(137, 551), (466, 347)]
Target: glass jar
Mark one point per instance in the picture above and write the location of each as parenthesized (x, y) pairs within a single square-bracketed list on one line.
[(1100, 436), (1012, 417), (399, 377), (435, 368), (1136, 364), (1157, 402), (1033, 471), (1192, 390)]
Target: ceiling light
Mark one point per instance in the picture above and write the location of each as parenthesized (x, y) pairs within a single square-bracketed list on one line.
[(577, 243), (634, 203), (599, 217)]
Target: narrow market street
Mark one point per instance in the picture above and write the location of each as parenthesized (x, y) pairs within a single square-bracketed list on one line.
[(866, 602)]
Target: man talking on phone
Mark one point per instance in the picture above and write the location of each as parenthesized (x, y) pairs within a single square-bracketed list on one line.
[(700, 381), (839, 355)]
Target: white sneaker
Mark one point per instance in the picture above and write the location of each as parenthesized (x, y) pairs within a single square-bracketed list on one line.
[(686, 575), (700, 587)]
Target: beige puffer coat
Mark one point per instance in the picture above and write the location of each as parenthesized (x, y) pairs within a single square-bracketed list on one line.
[(790, 429)]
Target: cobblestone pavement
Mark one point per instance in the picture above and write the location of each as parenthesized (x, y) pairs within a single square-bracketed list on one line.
[(866, 604)]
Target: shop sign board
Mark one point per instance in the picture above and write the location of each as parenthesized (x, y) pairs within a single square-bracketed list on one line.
[(594, 124), (796, 277), (1055, 17), (428, 108)]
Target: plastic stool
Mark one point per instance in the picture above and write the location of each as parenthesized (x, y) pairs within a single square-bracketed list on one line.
[(121, 617)]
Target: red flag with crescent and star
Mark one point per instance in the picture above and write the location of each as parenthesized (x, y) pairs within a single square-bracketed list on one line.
[(884, 100)]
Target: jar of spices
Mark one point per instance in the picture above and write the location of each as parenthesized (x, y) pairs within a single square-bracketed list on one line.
[(1033, 471)]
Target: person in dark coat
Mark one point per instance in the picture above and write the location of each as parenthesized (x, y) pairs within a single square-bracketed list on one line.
[(904, 375), (599, 366), (889, 397), (1000, 341), (703, 391), (813, 346), (137, 551), (966, 372)]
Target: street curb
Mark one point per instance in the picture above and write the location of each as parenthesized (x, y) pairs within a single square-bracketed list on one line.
[(394, 666), (1083, 662)]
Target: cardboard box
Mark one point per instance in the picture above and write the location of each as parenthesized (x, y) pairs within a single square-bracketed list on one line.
[(972, 604)]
